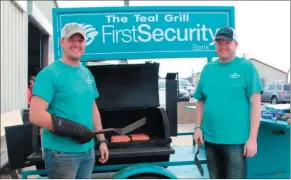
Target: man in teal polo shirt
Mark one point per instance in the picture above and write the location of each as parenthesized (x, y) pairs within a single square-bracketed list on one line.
[(228, 109), (63, 105)]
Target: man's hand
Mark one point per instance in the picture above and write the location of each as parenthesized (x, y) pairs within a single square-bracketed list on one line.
[(198, 137), (104, 153), (250, 148)]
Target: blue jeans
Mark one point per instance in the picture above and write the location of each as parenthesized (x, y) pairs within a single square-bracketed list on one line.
[(226, 161), (61, 165)]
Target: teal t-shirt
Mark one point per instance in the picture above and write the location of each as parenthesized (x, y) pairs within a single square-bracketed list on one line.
[(226, 89), (70, 92)]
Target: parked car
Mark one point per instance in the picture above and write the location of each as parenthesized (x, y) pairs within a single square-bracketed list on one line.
[(187, 85), (277, 92), (183, 94)]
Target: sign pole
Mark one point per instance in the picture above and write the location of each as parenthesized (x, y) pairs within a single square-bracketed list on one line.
[(126, 2)]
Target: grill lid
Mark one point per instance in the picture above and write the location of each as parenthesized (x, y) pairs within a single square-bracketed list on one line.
[(127, 85)]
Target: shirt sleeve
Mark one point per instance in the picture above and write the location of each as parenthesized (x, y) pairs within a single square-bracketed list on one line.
[(198, 94), (44, 86), (254, 84)]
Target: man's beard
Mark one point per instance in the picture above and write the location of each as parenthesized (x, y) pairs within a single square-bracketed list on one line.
[(73, 58)]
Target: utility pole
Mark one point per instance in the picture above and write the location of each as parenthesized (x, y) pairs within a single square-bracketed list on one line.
[(287, 75), (192, 76)]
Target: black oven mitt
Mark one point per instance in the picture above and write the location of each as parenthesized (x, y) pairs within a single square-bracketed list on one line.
[(76, 131)]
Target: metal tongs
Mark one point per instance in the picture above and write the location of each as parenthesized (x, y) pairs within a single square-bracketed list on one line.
[(125, 130), (197, 162)]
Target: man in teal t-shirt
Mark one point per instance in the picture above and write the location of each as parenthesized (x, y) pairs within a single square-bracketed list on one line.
[(63, 105), (228, 109)]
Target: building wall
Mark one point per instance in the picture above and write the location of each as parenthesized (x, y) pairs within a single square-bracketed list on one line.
[(43, 9), (269, 74), (46, 8), (13, 57)]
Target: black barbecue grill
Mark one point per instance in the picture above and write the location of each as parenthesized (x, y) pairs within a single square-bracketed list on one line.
[(128, 92)]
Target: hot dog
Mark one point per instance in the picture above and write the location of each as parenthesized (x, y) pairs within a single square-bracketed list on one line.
[(120, 138), (139, 137)]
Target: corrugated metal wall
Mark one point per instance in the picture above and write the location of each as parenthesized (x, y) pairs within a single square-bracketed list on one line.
[(13, 57)]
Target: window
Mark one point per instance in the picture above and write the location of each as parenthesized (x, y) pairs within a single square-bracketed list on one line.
[(287, 87), (272, 87), (184, 82), (279, 86)]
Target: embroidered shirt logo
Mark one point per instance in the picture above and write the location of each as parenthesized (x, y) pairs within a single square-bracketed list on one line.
[(234, 75), (89, 80)]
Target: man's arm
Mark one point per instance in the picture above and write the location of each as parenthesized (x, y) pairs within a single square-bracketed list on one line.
[(38, 114), (254, 91), (200, 97), (96, 114), (97, 121), (255, 115), (42, 94), (199, 113)]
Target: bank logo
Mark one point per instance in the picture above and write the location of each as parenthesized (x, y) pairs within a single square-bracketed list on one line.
[(90, 33), (234, 75)]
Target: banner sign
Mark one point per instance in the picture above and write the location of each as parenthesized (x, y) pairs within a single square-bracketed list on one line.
[(145, 32)]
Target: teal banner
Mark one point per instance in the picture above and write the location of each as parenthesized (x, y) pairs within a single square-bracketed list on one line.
[(145, 32)]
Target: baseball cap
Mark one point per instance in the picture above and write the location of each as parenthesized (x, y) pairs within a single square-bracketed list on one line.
[(71, 29), (226, 33)]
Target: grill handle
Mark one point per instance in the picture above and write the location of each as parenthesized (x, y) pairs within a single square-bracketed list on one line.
[(104, 131)]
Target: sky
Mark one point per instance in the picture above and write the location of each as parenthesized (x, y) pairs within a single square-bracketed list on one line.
[(263, 29)]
